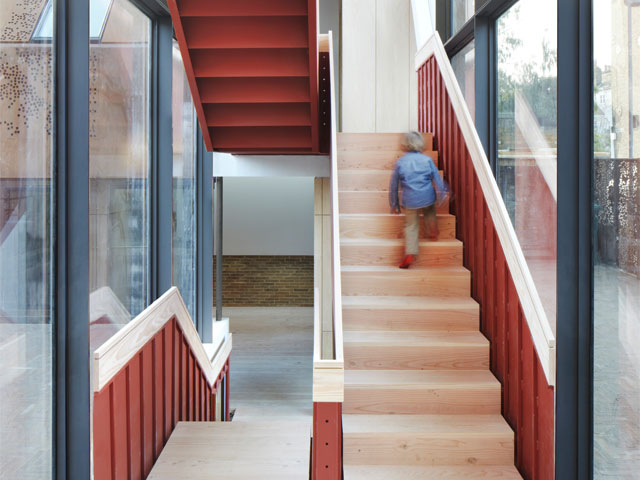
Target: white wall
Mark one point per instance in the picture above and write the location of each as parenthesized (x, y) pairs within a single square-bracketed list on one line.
[(268, 216), (379, 82)]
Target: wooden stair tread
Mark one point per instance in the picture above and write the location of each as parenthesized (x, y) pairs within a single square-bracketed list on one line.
[(375, 160), (411, 338), (393, 242), (449, 269), (448, 472), (426, 424), (376, 141), (417, 379), (272, 450), (401, 303), (375, 215)]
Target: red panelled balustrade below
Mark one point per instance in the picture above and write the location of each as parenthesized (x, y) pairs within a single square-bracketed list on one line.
[(136, 412)]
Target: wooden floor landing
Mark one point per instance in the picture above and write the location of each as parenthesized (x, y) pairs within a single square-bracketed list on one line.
[(235, 450)]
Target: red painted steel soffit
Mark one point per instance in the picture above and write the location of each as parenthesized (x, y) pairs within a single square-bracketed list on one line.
[(252, 67)]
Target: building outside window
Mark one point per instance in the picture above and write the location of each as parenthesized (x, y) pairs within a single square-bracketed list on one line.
[(26, 240), (183, 246), (527, 135), (464, 66), (616, 237)]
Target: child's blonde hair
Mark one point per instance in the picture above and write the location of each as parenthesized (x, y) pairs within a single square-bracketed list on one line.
[(413, 142)]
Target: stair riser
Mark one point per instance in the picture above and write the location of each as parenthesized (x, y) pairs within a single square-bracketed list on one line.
[(430, 255), (376, 160), (390, 400), (376, 141), (409, 319), (365, 181), (407, 282), (372, 202), (358, 357), (392, 226), (423, 449)]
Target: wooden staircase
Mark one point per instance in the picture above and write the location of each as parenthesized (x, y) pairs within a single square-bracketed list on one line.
[(420, 401), (252, 67)]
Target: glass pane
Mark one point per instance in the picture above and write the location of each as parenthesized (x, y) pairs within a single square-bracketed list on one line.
[(119, 158), (616, 235), (461, 11), (183, 246), (464, 66), (26, 244), (527, 135)]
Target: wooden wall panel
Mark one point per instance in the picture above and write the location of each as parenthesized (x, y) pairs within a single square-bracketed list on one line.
[(379, 83), (136, 411), (392, 65), (358, 66), (528, 400)]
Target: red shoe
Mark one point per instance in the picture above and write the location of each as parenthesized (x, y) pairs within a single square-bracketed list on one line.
[(408, 260)]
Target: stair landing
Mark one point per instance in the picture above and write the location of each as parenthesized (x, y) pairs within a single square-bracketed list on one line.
[(234, 451)]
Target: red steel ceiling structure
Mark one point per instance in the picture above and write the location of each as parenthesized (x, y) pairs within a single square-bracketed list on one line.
[(252, 67)]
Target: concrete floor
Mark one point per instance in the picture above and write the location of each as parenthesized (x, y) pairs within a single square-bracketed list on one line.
[(271, 362)]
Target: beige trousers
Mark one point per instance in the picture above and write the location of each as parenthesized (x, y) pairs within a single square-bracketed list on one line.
[(412, 227)]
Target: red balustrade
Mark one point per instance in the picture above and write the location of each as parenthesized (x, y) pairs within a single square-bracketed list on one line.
[(528, 400), (136, 411)]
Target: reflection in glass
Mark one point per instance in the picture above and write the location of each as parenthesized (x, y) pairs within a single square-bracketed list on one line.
[(26, 243), (461, 11), (464, 67), (616, 236), (527, 135), (118, 164), (183, 246)]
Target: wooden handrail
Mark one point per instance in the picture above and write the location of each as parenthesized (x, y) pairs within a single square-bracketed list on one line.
[(328, 373), (114, 354), (533, 311)]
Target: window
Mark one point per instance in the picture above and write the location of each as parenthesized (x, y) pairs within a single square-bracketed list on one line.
[(26, 243), (183, 245), (464, 64), (461, 11), (527, 135), (616, 237), (119, 157)]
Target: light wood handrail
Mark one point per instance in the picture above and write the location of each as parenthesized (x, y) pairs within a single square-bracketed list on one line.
[(328, 373), (114, 354), (536, 318)]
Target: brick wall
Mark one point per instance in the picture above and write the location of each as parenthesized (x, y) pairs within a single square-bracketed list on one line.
[(263, 281)]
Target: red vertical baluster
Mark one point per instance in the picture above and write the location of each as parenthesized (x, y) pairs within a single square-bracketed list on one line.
[(526, 433), (184, 380), (102, 439), (135, 418), (490, 295), (545, 426), (420, 95), (512, 386), (500, 359), (479, 241), (120, 426), (227, 391), (147, 408), (168, 378), (158, 396), (177, 377)]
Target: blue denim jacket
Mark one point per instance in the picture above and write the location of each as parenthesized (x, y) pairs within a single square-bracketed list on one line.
[(415, 172)]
